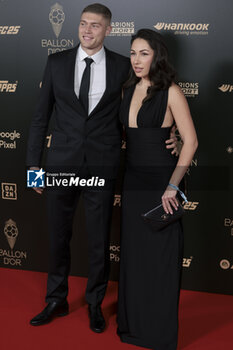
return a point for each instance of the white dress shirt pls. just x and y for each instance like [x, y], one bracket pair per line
[98, 75]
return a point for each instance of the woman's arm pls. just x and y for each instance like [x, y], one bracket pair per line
[181, 114]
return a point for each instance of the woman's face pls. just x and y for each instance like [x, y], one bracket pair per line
[141, 56]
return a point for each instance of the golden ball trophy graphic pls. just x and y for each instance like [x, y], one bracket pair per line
[57, 18]
[11, 232]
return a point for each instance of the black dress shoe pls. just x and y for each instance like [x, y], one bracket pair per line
[97, 322]
[52, 310]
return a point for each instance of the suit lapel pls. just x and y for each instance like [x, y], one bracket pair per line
[71, 74]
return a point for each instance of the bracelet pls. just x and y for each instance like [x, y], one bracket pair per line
[180, 192]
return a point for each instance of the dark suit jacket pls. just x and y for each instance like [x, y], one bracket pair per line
[76, 136]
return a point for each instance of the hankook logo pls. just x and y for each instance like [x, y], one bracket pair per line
[226, 88]
[184, 28]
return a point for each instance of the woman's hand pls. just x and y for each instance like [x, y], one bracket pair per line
[169, 200]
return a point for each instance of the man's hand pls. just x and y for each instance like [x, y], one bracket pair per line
[38, 190]
[173, 142]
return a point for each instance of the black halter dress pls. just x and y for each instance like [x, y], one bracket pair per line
[150, 265]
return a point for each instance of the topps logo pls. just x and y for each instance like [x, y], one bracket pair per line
[9, 29]
[5, 86]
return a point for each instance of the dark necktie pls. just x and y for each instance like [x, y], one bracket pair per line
[85, 84]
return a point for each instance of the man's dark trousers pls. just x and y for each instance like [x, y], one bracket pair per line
[61, 205]
[92, 141]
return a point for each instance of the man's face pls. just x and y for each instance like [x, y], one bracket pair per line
[92, 30]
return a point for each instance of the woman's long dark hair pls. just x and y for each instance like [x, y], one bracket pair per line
[161, 73]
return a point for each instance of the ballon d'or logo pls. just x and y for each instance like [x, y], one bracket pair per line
[57, 18]
[11, 232]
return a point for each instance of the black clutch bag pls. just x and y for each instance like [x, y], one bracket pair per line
[157, 218]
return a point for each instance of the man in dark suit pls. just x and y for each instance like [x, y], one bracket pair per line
[82, 89]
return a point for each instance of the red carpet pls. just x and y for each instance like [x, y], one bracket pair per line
[206, 320]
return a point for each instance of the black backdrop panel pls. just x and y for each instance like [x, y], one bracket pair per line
[199, 37]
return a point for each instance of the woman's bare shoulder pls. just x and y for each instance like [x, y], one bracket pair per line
[175, 94]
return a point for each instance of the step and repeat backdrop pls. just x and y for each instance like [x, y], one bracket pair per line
[199, 37]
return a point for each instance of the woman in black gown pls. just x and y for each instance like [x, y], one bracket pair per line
[151, 261]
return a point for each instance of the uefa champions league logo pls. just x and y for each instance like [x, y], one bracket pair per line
[57, 18]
